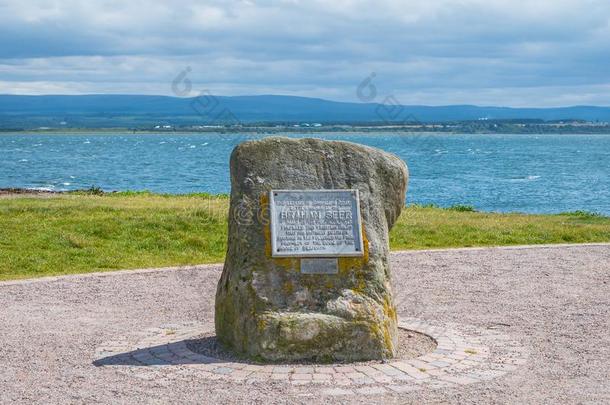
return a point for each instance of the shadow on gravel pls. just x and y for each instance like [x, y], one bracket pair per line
[206, 349]
[167, 354]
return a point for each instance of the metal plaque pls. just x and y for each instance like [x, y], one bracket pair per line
[315, 223]
[326, 265]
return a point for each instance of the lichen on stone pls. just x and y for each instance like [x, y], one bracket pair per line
[265, 307]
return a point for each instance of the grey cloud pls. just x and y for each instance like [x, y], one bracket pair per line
[469, 51]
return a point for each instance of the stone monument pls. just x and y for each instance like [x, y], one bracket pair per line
[306, 275]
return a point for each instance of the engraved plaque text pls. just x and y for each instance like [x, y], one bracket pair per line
[315, 223]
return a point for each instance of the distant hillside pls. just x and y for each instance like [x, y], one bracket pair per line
[137, 110]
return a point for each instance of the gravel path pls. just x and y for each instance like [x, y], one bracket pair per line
[553, 300]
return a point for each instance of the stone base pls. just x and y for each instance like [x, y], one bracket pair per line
[319, 337]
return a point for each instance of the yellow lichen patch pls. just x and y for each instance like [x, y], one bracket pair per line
[261, 324]
[388, 309]
[347, 264]
[361, 284]
[389, 323]
[375, 329]
[288, 287]
[288, 263]
[384, 332]
[365, 244]
[387, 338]
[266, 227]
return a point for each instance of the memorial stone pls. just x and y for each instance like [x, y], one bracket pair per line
[307, 275]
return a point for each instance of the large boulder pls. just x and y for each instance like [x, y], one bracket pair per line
[265, 307]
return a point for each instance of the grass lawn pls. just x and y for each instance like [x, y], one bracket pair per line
[78, 233]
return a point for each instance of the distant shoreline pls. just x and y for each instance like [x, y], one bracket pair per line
[106, 131]
[20, 191]
[96, 191]
[300, 131]
[25, 192]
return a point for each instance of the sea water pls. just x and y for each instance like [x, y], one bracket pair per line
[526, 173]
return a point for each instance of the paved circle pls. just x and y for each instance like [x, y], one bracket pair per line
[463, 356]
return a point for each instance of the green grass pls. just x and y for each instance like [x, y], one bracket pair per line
[84, 232]
[423, 227]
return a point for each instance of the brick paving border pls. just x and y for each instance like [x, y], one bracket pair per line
[464, 355]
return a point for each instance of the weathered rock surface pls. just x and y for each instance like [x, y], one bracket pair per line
[267, 309]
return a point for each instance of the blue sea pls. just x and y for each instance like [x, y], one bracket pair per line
[525, 173]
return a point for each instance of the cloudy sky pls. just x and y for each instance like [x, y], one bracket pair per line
[435, 52]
